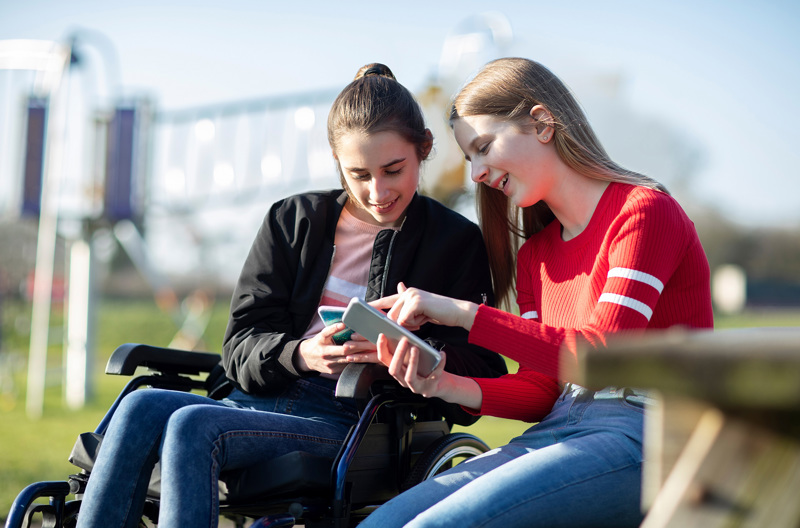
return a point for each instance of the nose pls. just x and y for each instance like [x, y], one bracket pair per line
[478, 172]
[378, 190]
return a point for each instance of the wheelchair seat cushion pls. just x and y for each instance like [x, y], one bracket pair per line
[84, 452]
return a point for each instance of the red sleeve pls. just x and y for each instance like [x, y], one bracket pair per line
[530, 343]
[527, 395]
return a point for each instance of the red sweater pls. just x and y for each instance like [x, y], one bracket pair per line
[638, 265]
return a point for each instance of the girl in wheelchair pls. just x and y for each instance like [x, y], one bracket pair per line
[313, 249]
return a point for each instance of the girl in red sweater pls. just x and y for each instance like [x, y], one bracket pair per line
[605, 251]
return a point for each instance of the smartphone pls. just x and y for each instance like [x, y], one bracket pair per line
[370, 322]
[332, 315]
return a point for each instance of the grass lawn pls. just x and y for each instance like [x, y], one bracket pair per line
[35, 450]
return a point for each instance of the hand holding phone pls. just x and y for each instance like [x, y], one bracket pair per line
[331, 315]
[371, 322]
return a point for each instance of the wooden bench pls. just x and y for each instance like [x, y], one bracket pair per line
[722, 442]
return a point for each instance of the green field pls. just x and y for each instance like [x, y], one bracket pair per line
[34, 450]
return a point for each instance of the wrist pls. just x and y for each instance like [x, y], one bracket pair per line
[467, 312]
[460, 390]
[299, 360]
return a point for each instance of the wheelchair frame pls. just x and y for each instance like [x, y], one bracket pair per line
[387, 451]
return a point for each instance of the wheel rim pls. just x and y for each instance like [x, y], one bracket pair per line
[463, 451]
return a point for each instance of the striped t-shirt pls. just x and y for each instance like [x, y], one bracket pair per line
[353, 242]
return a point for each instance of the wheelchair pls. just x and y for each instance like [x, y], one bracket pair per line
[398, 441]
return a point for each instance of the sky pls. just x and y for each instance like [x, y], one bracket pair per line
[722, 76]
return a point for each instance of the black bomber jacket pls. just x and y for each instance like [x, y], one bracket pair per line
[283, 277]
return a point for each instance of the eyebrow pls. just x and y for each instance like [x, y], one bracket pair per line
[385, 165]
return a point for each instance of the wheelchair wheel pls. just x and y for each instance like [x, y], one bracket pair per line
[71, 510]
[443, 454]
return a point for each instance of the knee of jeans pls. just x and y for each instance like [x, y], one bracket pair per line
[191, 423]
[137, 402]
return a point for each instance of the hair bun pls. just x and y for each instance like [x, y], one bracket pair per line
[375, 69]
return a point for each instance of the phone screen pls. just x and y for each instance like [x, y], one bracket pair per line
[370, 322]
[332, 315]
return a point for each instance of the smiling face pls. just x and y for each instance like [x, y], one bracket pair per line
[381, 171]
[504, 157]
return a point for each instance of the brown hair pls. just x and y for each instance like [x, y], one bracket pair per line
[375, 102]
[508, 89]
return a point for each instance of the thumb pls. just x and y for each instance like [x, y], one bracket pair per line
[384, 355]
[401, 287]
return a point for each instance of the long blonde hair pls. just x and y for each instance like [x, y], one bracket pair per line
[508, 89]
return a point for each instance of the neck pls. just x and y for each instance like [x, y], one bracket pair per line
[574, 203]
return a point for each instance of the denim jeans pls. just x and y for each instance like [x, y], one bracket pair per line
[580, 466]
[195, 438]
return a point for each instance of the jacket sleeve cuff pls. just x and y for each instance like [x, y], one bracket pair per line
[286, 361]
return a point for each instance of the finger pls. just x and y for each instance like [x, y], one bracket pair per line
[401, 356]
[397, 365]
[413, 363]
[396, 307]
[401, 287]
[368, 357]
[440, 367]
[357, 338]
[354, 347]
[406, 315]
[332, 352]
[384, 354]
[330, 330]
[385, 302]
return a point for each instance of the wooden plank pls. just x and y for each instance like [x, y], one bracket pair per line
[722, 445]
[744, 369]
[731, 474]
[668, 425]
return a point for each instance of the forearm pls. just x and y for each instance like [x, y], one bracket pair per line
[527, 395]
[459, 390]
[543, 347]
[259, 363]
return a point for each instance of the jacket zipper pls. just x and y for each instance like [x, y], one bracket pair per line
[388, 263]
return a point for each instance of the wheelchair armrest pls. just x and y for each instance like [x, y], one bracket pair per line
[356, 380]
[127, 357]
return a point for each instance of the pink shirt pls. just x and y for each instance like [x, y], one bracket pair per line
[349, 273]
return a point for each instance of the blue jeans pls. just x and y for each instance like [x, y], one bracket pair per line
[580, 466]
[195, 438]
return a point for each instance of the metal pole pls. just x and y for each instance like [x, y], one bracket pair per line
[79, 325]
[45, 248]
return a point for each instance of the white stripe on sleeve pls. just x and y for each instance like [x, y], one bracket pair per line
[621, 300]
[533, 314]
[626, 273]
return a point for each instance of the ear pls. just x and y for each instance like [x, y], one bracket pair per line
[428, 144]
[543, 120]
[334, 155]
